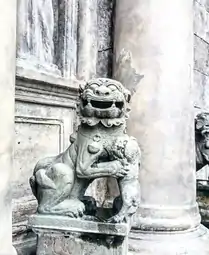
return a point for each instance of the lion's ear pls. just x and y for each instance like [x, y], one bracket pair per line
[198, 124]
[127, 95]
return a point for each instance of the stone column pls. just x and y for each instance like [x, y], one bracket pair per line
[154, 59]
[87, 39]
[7, 99]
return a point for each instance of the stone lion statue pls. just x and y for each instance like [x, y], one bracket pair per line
[99, 148]
[202, 140]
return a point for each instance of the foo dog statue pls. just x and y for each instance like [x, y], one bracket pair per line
[99, 148]
[202, 140]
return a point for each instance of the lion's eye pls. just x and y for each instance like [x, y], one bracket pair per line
[112, 87]
[94, 86]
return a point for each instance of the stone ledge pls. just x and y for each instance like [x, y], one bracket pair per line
[47, 223]
[37, 76]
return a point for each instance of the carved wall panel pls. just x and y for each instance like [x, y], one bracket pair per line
[34, 137]
[47, 36]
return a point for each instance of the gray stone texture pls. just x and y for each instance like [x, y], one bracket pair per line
[58, 235]
[47, 36]
[201, 57]
[87, 39]
[105, 37]
[57, 244]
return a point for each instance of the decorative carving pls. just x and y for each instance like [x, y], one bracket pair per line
[202, 140]
[35, 32]
[99, 148]
[47, 37]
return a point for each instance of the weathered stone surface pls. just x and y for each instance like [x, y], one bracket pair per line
[201, 90]
[25, 243]
[33, 138]
[201, 55]
[47, 37]
[201, 21]
[105, 26]
[184, 243]
[63, 235]
[56, 244]
[87, 39]
[204, 3]
[201, 48]
[105, 37]
[66, 224]
[104, 63]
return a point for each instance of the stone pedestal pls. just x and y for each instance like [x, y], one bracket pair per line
[59, 235]
[7, 100]
[154, 59]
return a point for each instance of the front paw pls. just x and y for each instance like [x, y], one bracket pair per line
[122, 171]
[117, 219]
[76, 208]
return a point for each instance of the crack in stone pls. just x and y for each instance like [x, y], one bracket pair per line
[201, 38]
[200, 72]
[103, 50]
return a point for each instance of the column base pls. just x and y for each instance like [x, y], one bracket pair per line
[191, 242]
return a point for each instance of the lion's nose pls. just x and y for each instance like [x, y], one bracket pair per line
[103, 91]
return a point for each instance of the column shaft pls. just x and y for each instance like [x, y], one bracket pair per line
[160, 47]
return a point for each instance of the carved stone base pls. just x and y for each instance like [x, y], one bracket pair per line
[176, 243]
[59, 235]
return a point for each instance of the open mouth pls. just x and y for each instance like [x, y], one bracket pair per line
[103, 104]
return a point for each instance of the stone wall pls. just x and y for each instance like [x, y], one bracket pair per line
[201, 62]
[201, 53]
[105, 47]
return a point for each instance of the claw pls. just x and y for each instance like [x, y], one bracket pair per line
[115, 219]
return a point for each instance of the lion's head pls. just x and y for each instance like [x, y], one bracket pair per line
[202, 139]
[103, 100]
